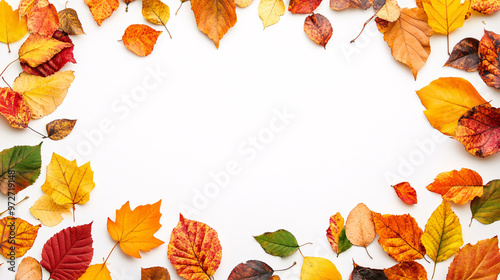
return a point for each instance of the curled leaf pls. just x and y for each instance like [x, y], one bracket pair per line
[465, 55]
[38, 49]
[390, 11]
[366, 273]
[69, 22]
[140, 39]
[486, 7]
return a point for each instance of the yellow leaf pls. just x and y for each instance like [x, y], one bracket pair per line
[96, 272]
[243, 3]
[315, 268]
[43, 94]
[446, 15]
[16, 229]
[270, 11]
[155, 11]
[12, 27]
[446, 100]
[48, 212]
[38, 49]
[443, 234]
[390, 11]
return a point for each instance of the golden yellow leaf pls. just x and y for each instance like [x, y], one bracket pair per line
[102, 9]
[48, 212]
[446, 15]
[96, 272]
[12, 26]
[21, 232]
[315, 268]
[243, 3]
[155, 11]
[29, 269]
[43, 94]
[270, 11]
[38, 49]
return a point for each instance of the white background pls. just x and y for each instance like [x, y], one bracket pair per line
[357, 121]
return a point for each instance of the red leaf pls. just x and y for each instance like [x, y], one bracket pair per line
[57, 62]
[13, 108]
[489, 59]
[303, 6]
[318, 28]
[406, 193]
[68, 253]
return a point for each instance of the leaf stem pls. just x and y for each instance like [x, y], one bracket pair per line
[6, 83]
[179, 8]
[294, 263]
[74, 213]
[471, 219]
[112, 249]
[8, 47]
[448, 43]
[15, 204]
[43, 136]
[366, 249]
[364, 25]
[8, 66]
[308, 243]
[168, 31]
[433, 270]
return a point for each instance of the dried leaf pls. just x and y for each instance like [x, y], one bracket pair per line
[446, 100]
[314, 268]
[359, 226]
[390, 11]
[444, 17]
[318, 28]
[13, 108]
[408, 38]
[406, 270]
[134, 229]
[465, 55]
[251, 270]
[339, 5]
[366, 273]
[102, 9]
[128, 2]
[479, 130]
[194, 250]
[43, 94]
[38, 49]
[19, 167]
[21, 232]
[155, 12]
[43, 20]
[69, 22]
[48, 212]
[214, 17]
[489, 59]
[486, 7]
[12, 26]
[480, 261]
[458, 186]
[382, 25]
[486, 209]
[59, 129]
[140, 39]
[270, 11]
[303, 6]
[96, 272]
[26, 6]
[336, 234]
[67, 254]
[155, 273]
[244, 3]
[280, 243]
[29, 269]
[406, 193]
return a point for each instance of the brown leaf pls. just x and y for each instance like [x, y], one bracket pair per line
[486, 7]
[140, 39]
[359, 226]
[318, 28]
[69, 22]
[406, 270]
[214, 17]
[155, 273]
[59, 129]
[251, 269]
[339, 5]
[366, 273]
[303, 6]
[29, 269]
[43, 20]
[465, 55]
[489, 61]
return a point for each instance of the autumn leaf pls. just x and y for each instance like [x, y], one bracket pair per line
[336, 234]
[12, 26]
[194, 250]
[443, 234]
[38, 49]
[479, 130]
[134, 229]
[29, 269]
[67, 254]
[489, 59]
[318, 28]
[270, 11]
[406, 193]
[26, 7]
[339, 5]
[155, 273]
[140, 39]
[13, 108]
[409, 38]
[279, 243]
[359, 226]
[480, 261]
[69, 22]
[214, 17]
[19, 167]
[446, 100]
[128, 2]
[23, 233]
[156, 12]
[48, 212]
[96, 272]
[366, 273]
[486, 7]
[486, 209]
[465, 55]
[458, 186]
[406, 270]
[43, 20]
[390, 11]
[315, 268]
[303, 6]
[251, 270]
[102, 9]
[242, 3]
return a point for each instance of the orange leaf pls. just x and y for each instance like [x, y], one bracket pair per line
[13, 108]
[102, 9]
[406, 270]
[303, 6]
[23, 233]
[194, 250]
[489, 59]
[399, 236]
[43, 20]
[38, 49]
[214, 17]
[458, 186]
[155, 273]
[26, 6]
[318, 28]
[140, 39]
[339, 5]
[486, 7]
[406, 193]
[134, 229]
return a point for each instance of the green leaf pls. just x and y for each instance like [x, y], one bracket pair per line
[344, 243]
[19, 167]
[280, 243]
[486, 208]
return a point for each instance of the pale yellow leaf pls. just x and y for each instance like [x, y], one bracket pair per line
[270, 11]
[48, 212]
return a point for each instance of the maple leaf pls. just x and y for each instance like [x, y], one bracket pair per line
[155, 273]
[486, 7]
[19, 167]
[102, 9]
[279, 243]
[43, 20]
[399, 236]
[486, 209]
[96, 272]
[69, 22]
[406, 193]
[359, 226]
[318, 28]
[60, 128]
[38, 49]
[446, 100]
[140, 39]
[29, 269]
[479, 130]
[409, 38]
[443, 234]
[303, 6]
[48, 212]
[366, 273]
[67, 254]
[406, 270]
[336, 234]
[458, 186]
[194, 250]
[134, 229]
[465, 55]
[13, 108]
[315, 268]
[339, 5]
[156, 12]
[22, 232]
[214, 17]
[12, 26]
[270, 11]
[251, 270]
[480, 261]
[489, 59]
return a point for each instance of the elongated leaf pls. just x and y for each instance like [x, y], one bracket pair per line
[318, 28]
[38, 49]
[489, 59]
[314, 268]
[458, 186]
[303, 6]
[155, 12]
[359, 226]
[19, 167]
[13, 108]
[280, 243]
[70, 22]
[486, 208]
[59, 129]
[23, 233]
[336, 234]
[251, 270]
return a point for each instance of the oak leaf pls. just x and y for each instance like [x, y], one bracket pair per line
[23, 233]
[60, 128]
[486, 209]
[336, 234]
[318, 28]
[458, 186]
[156, 12]
[366, 273]
[43, 94]
[303, 6]
[38, 49]
[251, 270]
[409, 38]
[480, 261]
[446, 16]
[406, 193]
[140, 39]
[315, 268]
[406, 270]
[13, 108]
[29, 269]
[67, 254]
[96, 272]
[214, 17]
[446, 100]
[155, 273]
[270, 11]
[279, 243]
[12, 26]
[465, 55]
[194, 250]
[359, 226]
[69, 22]
[19, 167]
[489, 59]
[339, 5]
[48, 212]
[102, 9]
[43, 20]
[479, 130]
[486, 7]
